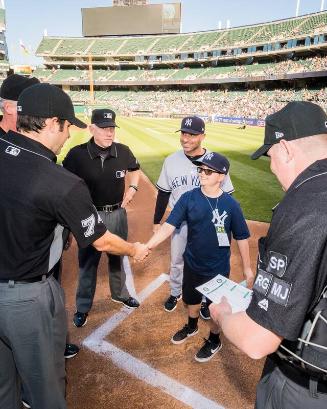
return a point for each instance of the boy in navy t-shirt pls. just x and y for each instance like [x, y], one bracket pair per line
[212, 217]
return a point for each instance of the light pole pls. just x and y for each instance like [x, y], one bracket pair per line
[297, 8]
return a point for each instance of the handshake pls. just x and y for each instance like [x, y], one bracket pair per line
[141, 251]
[161, 233]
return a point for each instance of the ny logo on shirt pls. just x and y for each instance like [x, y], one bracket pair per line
[219, 220]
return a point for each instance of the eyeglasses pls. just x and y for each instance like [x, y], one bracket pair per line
[207, 172]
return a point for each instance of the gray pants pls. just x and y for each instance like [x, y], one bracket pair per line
[89, 258]
[178, 244]
[276, 391]
[32, 344]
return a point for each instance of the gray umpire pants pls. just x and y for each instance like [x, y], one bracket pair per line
[89, 258]
[276, 391]
[178, 244]
[33, 328]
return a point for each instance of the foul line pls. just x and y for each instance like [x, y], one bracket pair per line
[96, 343]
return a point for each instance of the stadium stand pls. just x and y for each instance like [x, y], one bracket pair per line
[278, 69]
[282, 30]
[243, 104]
[4, 63]
[243, 71]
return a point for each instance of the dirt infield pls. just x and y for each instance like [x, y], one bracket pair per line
[136, 366]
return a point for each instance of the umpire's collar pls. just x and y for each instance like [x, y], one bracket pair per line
[316, 169]
[95, 151]
[24, 142]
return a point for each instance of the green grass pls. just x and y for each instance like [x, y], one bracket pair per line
[151, 140]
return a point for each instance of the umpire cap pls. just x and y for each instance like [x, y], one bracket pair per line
[296, 120]
[104, 118]
[14, 85]
[47, 101]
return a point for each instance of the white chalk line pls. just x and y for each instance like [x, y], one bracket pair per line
[96, 343]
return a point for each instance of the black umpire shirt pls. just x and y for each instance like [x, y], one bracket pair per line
[103, 170]
[292, 267]
[37, 197]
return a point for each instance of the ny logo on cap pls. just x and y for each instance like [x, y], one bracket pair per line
[208, 156]
[107, 115]
[188, 122]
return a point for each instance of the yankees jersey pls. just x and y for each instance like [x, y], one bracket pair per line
[179, 175]
[207, 218]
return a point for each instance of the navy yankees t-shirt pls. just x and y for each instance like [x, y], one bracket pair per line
[211, 224]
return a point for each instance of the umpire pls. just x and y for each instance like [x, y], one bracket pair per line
[286, 319]
[10, 90]
[103, 164]
[38, 199]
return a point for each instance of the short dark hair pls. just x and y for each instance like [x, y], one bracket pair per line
[29, 123]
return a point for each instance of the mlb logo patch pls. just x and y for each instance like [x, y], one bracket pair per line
[120, 174]
[12, 150]
[107, 115]
[19, 108]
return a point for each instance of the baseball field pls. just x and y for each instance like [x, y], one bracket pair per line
[126, 358]
[153, 139]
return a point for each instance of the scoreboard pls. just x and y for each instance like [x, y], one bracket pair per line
[132, 20]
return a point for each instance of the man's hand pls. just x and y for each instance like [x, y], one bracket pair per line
[128, 196]
[141, 251]
[156, 227]
[218, 311]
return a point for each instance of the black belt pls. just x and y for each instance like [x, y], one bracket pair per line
[109, 208]
[27, 280]
[299, 375]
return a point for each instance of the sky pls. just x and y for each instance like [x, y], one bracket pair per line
[27, 20]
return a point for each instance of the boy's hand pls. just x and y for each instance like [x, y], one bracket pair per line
[249, 277]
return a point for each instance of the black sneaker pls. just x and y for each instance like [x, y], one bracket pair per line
[25, 404]
[183, 334]
[171, 302]
[207, 351]
[80, 319]
[71, 350]
[204, 311]
[129, 302]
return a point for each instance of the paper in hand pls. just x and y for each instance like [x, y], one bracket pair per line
[238, 296]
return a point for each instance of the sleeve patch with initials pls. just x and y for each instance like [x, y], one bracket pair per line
[277, 264]
[280, 291]
[262, 282]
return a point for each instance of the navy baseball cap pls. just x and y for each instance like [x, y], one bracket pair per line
[296, 120]
[104, 118]
[47, 101]
[192, 125]
[14, 85]
[214, 161]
